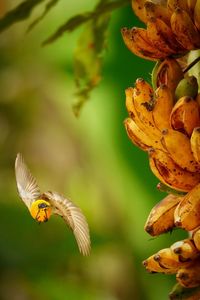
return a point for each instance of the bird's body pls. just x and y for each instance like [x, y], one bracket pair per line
[43, 205]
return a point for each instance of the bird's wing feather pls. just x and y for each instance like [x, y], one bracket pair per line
[26, 183]
[74, 218]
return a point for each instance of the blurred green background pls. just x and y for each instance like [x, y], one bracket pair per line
[89, 159]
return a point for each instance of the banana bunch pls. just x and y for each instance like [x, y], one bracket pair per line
[159, 123]
[173, 28]
[182, 259]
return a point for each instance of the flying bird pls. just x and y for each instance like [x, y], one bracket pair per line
[43, 205]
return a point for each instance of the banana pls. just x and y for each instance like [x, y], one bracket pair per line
[134, 96]
[197, 15]
[191, 5]
[164, 101]
[189, 276]
[187, 213]
[184, 29]
[169, 260]
[185, 250]
[178, 146]
[195, 144]
[139, 10]
[169, 173]
[139, 46]
[166, 189]
[136, 135]
[181, 293]
[188, 86]
[157, 11]
[185, 115]
[161, 217]
[167, 72]
[159, 38]
[196, 238]
[173, 4]
[153, 266]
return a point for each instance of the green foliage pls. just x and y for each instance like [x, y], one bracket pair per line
[47, 8]
[88, 58]
[19, 13]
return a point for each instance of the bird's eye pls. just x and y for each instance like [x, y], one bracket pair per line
[42, 205]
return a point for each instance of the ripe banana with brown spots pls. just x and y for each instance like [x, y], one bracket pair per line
[184, 29]
[161, 217]
[195, 144]
[170, 260]
[157, 11]
[189, 276]
[187, 212]
[186, 249]
[153, 266]
[137, 42]
[185, 115]
[163, 106]
[169, 173]
[178, 146]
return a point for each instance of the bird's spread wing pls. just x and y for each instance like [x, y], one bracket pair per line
[26, 183]
[73, 217]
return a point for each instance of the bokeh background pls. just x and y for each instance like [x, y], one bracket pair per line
[89, 159]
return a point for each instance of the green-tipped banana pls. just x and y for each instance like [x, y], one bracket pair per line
[179, 292]
[187, 87]
[166, 189]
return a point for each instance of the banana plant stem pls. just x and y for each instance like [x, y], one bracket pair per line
[191, 65]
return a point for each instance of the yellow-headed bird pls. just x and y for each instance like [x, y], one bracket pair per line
[42, 206]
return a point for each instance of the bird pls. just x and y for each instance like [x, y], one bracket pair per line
[42, 205]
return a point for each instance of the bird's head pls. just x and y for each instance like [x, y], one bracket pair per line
[40, 210]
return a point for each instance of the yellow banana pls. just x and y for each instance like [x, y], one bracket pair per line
[185, 115]
[189, 276]
[141, 120]
[138, 8]
[195, 144]
[136, 135]
[157, 37]
[197, 14]
[168, 259]
[185, 250]
[187, 213]
[184, 29]
[164, 101]
[196, 238]
[169, 173]
[168, 72]
[161, 217]
[153, 266]
[158, 11]
[139, 46]
[178, 146]
[173, 4]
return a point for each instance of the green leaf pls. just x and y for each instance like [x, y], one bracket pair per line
[180, 293]
[48, 7]
[88, 58]
[103, 7]
[19, 13]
